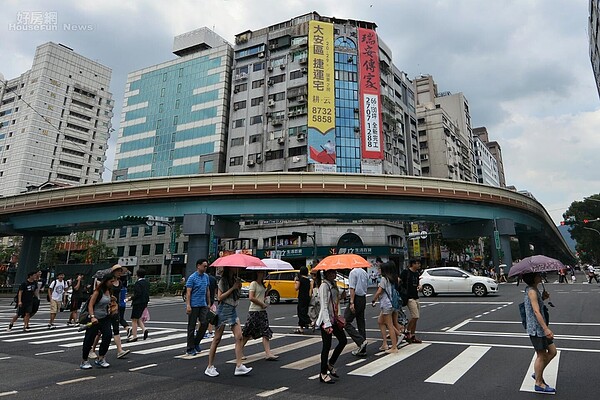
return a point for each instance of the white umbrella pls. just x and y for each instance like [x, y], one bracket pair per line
[273, 264]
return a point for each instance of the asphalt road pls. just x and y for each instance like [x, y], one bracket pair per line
[473, 348]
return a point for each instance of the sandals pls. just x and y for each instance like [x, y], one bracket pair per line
[333, 371]
[298, 331]
[327, 379]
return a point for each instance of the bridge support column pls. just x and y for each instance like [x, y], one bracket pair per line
[29, 257]
[524, 244]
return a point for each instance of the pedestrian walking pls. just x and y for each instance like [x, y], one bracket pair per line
[409, 278]
[257, 323]
[303, 286]
[502, 275]
[197, 301]
[56, 293]
[100, 321]
[539, 333]
[77, 288]
[591, 274]
[26, 295]
[329, 298]
[228, 295]
[139, 301]
[385, 320]
[212, 287]
[358, 281]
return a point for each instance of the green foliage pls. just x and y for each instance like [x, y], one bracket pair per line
[157, 288]
[587, 235]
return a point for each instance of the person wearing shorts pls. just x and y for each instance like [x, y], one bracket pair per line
[409, 278]
[542, 338]
[27, 291]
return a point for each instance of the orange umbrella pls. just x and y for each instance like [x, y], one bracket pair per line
[342, 261]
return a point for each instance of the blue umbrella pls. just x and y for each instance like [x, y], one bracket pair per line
[537, 263]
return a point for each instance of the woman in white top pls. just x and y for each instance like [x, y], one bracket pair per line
[329, 297]
[257, 323]
[387, 313]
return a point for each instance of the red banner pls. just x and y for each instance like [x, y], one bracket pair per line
[370, 116]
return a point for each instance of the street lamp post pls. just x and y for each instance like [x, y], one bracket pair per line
[312, 237]
[591, 229]
[70, 243]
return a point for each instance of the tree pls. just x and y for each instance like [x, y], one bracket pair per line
[587, 235]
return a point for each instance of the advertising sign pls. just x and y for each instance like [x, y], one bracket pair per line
[369, 94]
[321, 94]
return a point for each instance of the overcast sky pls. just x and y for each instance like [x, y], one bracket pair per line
[523, 65]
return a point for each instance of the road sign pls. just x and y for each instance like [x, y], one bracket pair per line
[497, 239]
[424, 234]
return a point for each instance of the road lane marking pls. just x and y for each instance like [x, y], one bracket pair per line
[458, 326]
[373, 368]
[139, 342]
[85, 378]
[4, 358]
[272, 392]
[279, 350]
[278, 318]
[8, 393]
[178, 346]
[60, 338]
[550, 374]
[142, 367]
[311, 361]
[350, 364]
[49, 352]
[459, 366]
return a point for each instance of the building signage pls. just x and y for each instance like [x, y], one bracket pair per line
[369, 93]
[321, 94]
[416, 244]
[322, 251]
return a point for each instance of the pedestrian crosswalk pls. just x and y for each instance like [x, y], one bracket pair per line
[296, 353]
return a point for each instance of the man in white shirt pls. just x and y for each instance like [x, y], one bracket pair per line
[56, 292]
[591, 274]
[358, 282]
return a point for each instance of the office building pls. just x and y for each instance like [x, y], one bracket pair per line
[495, 150]
[593, 31]
[320, 94]
[54, 122]
[175, 114]
[445, 133]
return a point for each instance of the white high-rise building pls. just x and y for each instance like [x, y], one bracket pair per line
[55, 120]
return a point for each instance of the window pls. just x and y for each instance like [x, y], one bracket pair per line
[135, 231]
[237, 141]
[297, 129]
[236, 161]
[180, 72]
[179, 88]
[242, 70]
[258, 66]
[239, 123]
[296, 151]
[147, 231]
[277, 96]
[257, 84]
[278, 78]
[161, 107]
[177, 104]
[159, 249]
[274, 155]
[296, 74]
[239, 105]
[278, 61]
[123, 232]
[175, 119]
[120, 251]
[242, 87]
[257, 119]
[256, 101]
[132, 251]
[162, 92]
[254, 138]
[145, 249]
[160, 230]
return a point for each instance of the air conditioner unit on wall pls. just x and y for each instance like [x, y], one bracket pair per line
[250, 163]
[282, 66]
[270, 69]
[271, 103]
[261, 54]
[301, 136]
[281, 140]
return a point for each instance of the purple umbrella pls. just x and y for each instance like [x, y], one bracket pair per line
[535, 264]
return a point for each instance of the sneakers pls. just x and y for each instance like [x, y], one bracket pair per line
[197, 348]
[361, 350]
[102, 363]
[92, 355]
[242, 370]
[51, 326]
[209, 335]
[123, 353]
[85, 365]
[10, 326]
[26, 329]
[146, 334]
[70, 323]
[191, 353]
[544, 389]
[212, 371]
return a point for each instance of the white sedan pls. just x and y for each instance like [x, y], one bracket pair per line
[455, 280]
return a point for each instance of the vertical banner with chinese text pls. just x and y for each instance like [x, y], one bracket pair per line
[416, 242]
[370, 117]
[321, 94]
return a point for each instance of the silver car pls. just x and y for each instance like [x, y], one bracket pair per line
[455, 280]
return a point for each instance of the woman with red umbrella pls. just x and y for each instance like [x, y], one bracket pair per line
[228, 295]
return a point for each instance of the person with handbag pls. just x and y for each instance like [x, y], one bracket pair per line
[197, 301]
[98, 309]
[387, 313]
[331, 324]
[541, 336]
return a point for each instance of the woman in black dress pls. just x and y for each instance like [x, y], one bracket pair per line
[304, 287]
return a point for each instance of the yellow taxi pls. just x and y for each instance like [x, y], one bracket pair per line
[283, 288]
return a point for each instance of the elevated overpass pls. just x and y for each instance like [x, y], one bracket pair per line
[466, 209]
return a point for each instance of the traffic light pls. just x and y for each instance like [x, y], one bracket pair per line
[133, 218]
[569, 221]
